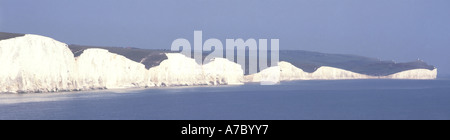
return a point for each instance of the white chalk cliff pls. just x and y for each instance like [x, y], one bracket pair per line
[179, 70]
[423, 74]
[98, 68]
[285, 71]
[221, 71]
[34, 63]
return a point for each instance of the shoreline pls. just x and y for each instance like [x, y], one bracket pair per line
[39, 64]
[127, 89]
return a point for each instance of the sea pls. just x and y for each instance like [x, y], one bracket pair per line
[294, 100]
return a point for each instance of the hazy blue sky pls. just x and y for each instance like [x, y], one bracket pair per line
[401, 30]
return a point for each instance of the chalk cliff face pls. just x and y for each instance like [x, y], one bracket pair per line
[179, 70]
[221, 71]
[311, 61]
[98, 68]
[423, 74]
[33, 63]
[288, 72]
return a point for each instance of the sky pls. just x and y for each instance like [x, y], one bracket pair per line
[400, 30]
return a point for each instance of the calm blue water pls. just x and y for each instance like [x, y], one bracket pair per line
[350, 99]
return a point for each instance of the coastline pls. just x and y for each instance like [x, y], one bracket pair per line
[38, 64]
